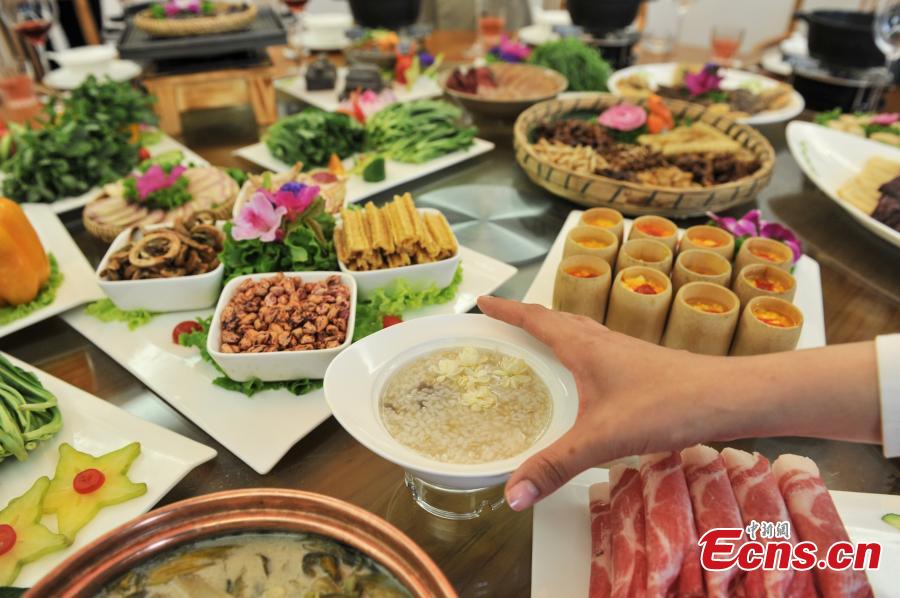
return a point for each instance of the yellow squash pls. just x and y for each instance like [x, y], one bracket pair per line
[24, 267]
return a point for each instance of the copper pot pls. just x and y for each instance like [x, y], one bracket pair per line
[92, 569]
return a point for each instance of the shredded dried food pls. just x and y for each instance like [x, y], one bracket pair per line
[283, 313]
[594, 150]
[190, 247]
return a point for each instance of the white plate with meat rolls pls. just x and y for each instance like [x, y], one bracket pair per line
[698, 488]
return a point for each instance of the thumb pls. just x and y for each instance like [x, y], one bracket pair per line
[545, 472]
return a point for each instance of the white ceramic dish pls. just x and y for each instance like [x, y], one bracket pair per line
[67, 79]
[561, 542]
[97, 427]
[89, 59]
[160, 294]
[806, 271]
[398, 173]
[278, 365]
[78, 285]
[166, 144]
[420, 276]
[830, 158]
[327, 99]
[355, 379]
[663, 73]
[261, 429]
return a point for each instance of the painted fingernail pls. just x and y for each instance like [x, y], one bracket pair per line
[522, 495]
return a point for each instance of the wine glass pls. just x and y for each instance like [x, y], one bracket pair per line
[31, 20]
[296, 28]
[886, 29]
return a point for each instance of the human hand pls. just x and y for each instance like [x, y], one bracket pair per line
[634, 397]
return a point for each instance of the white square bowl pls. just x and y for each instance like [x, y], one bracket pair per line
[277, 365]
[182, 293]
[419, 276]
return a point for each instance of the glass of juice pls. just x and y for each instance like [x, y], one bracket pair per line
[491, 15]
[31, 20]
[726, 41]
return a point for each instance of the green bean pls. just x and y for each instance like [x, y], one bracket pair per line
[29, 413]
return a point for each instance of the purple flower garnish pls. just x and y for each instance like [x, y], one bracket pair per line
[258, 219]
[623, 117]
[509, 51]
[295, 197]
[425, 60]
[752, 225]
[704, 81]
[155, 179]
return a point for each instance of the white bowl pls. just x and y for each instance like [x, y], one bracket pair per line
[183, 293]
[278, 365]
[355, 379]
[419, 276]
[90, 59]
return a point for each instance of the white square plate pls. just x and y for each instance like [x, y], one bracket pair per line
[806, 271]
[262, 428]
[166, 144]
[94, 426]
[561, 541]
[78, 285]
[398, 173]
[327, 99]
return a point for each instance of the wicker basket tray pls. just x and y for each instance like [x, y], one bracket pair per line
[222, 23]
[635, 198]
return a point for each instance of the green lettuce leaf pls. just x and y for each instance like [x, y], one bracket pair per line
[397, 300]
[45, 297]
[197, 339]
[107, 311]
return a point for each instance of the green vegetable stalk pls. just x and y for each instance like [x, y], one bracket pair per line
[312, 136]
[419, 131]
[579, 63]
[29, 414]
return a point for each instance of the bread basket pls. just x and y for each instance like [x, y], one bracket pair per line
[199, 25]
[633, 198]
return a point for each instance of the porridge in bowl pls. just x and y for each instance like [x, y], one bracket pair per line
[466, 405]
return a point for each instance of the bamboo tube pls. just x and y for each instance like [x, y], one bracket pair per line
[754, 279]
[760, 250]
[590, 240]
[645, 252]
[637, 314]
[605, 218]
[708, 238]
[699, 265]
[703, 319]
[585, 294]
[754, 336]
[656, 228]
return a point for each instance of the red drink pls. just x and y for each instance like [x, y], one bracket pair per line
[296, 5]
[490, 29]
[19, 102]
[725, 48]
[34, 30]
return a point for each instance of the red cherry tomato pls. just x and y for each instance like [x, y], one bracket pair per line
[7, 538]
[185, 327]
[390, 321]
[645, 289]
[89, 480]
[143, 154]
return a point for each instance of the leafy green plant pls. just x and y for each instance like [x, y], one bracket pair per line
[107, 311]
[579, 63]
[312, 136]
[418, 131]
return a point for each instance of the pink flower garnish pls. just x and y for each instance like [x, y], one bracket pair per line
[295, 197]
[511, 51]
[704, 81]
[368, 102]
[623, 117]
[171, 9]
[885, 118]
[155, 179]
[752, 225]
[258, 219]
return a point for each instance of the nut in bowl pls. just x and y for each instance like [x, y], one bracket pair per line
[282, 326]
[379, 246]
[484, 397]
[165, 268]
